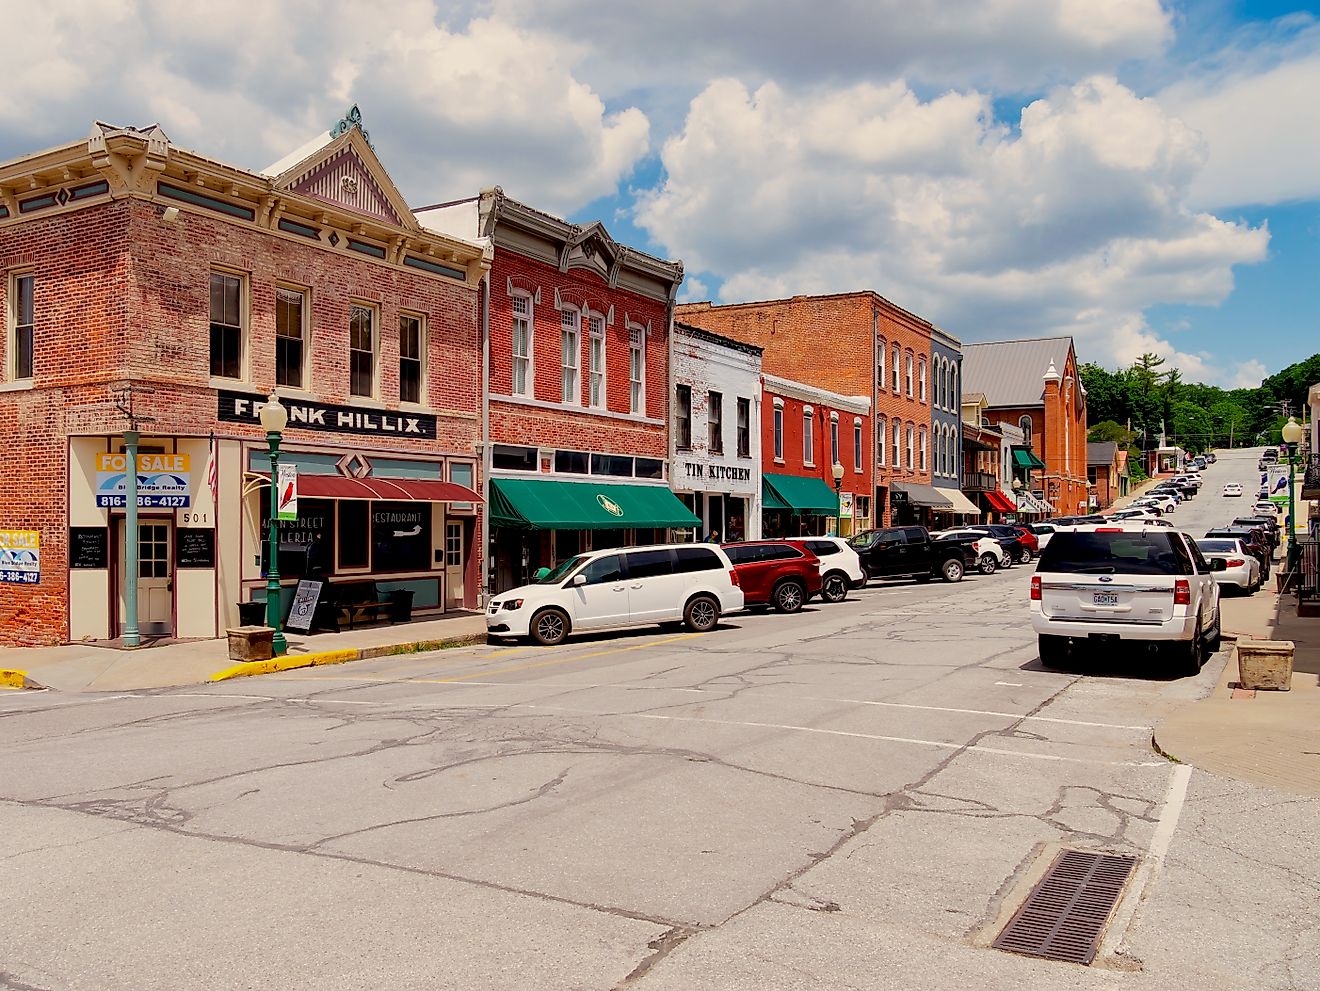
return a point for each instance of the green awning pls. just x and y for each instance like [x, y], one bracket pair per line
[810, 496]
[1024, 458]
[548, 504]
[770, 498]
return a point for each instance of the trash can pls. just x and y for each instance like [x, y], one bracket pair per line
[252, 614]
[401, 600]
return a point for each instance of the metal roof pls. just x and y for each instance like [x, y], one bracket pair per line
[1104, 453]
[1011, 373]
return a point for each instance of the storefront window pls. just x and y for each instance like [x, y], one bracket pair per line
[306, 544]
[508, 458]
[571, 462]
[611, 464]
[650, 468]
[354, 536]
[400, 536]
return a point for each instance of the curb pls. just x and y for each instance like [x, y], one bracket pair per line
[288, 662]
[12, 678]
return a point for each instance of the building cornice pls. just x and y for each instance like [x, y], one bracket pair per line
[811, 394]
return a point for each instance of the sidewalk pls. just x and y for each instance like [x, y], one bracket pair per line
[87, 668]
[1269, 738]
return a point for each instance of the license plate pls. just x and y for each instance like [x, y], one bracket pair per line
[1104, 598]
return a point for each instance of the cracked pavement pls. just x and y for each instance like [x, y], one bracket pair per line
[852, 797]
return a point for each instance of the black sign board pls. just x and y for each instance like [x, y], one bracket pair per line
[196, 548]
[304, 606]
[242, 407]
[89, 547]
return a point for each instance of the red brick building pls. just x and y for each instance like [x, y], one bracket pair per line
[578, 331]
[805, 432]
[852, 344]
[148, 286]
[1033, 384]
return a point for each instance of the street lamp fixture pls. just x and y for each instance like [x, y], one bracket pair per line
[837, 471]
[274, 418]
[1292, 436]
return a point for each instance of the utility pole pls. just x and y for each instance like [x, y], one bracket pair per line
[124, 403]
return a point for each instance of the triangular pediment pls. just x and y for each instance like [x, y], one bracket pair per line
[344, 172]
[591, 248]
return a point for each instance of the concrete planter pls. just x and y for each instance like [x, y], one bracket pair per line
[255, 643]
[1265, 664]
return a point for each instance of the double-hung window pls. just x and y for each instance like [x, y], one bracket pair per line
[361, 350]
[23, 307]
[881, 350]
[596, 361]
[896, 441]
[570, 325]
[880, 442]
[412, 350]
[779, 430]
[522, 346]
[637, 370]
[907, 374]
[226, 326]
[897, 368]
[910, 445]
[925, 442]
[715, 421]
[290, 336]
[921, 377]
[834, 438]
[744, 427]
[683, 417]
[808, 436]
[857, 444]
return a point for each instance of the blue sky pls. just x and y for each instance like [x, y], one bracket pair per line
[1142, 174]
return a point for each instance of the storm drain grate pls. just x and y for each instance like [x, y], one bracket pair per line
[1064, 915]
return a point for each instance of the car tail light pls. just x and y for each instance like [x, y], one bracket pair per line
[1035, 588]
[1236, 562]
[733, 577]
[1182, 592]
[1109, 529]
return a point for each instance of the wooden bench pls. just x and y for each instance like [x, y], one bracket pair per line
[353, 602]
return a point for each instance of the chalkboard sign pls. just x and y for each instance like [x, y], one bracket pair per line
[196, 548]
[304, 606]
[89, 547]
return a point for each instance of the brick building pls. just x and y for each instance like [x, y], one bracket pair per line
[715, 433]
[806, 431]
[853, 344]
[1033, 385]
[577, 358]
[1107, 472]
[148, 286]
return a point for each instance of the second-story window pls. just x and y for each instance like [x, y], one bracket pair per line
[411, 353]
[896, 441]
[857, 444]
[808, 436]
[879, 442]
[925, 443]
[290, 336]
[1025, 423]
[596, 365]
[907, 373]
[683, 417]
[921, 378]
[779, 432]
[881, 350]
[570, 325]
[522, 346]
[896, 366]
[361, 351]
[908, 435]
[226, 326]
[22, 290]
[834, 438]
[744, 427]
[637, 370]
[715, 420]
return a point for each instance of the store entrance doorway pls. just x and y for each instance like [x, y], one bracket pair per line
[155, 577]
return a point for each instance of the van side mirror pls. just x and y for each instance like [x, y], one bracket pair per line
[1218, 564]
[576, 580]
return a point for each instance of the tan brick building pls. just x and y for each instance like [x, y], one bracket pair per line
[140, 278]
[853, 344]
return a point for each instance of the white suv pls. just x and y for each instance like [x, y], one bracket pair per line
[620, 587]
[1126, 583]
[840, 566]
[990, 553]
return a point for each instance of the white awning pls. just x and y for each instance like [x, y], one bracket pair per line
[961, 504]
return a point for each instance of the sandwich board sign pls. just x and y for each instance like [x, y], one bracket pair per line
[303, 609]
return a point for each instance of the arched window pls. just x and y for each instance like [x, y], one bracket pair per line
[955, 401]
[925, 442]
[896, 441]
[910, 439]
[1025, 423]
[941, 451]
[880, 442]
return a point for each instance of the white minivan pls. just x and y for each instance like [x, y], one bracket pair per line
[621, 587]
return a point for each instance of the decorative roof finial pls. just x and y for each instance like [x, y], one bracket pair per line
[1052, 373]
[352, 118]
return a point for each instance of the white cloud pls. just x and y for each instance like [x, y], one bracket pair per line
[1077, 223]
[449, 110]
[1248, 375]
[693, 290]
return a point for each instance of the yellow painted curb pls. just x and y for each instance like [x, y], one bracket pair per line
[13, 678]
[286, 663]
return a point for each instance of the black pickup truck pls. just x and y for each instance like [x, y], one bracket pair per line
[909, 552]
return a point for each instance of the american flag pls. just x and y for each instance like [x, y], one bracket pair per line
[212, 475]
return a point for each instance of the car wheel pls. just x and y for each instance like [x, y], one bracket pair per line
[1053, 651]
[702, 614]
[1026, 555]
[1189, 656]
[834, 588]
[988, 564]
[549, 627]
[789, 596]
[952, 571]
[1215, 643]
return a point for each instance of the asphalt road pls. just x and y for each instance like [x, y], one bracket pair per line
[853, 797]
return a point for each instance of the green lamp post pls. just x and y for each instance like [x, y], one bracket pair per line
[1292, 436]
[274, 417]
[837, 471]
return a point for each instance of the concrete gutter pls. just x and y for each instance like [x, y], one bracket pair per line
[294, 661]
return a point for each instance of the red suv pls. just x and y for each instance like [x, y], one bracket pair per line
[774, 572]
[1029, 540]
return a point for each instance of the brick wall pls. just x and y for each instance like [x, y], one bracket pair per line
[794, 462]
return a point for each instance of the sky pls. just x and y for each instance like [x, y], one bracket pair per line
[1141, 174]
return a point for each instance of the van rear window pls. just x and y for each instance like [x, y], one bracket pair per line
[1090, 553]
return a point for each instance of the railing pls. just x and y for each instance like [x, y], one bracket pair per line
[980, 481]
[1308, 563]
[1310, 479]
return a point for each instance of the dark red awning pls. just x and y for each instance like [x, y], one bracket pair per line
[999, 502]
[389, 489]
